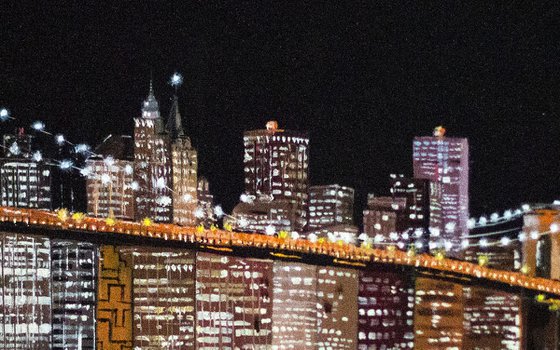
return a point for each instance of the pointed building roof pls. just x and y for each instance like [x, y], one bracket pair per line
[150, 107]
[174, 125]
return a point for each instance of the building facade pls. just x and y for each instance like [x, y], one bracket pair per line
[445, 161]
[25, 182]
[276, 167]
[110, 192]
[330, 205]
[385, 311]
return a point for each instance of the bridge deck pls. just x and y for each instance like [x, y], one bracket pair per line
[273, 247]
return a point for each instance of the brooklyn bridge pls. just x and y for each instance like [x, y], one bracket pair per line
[72, 281]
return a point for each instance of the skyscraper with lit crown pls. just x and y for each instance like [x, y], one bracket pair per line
[152, 164]
[445, 161]
[276, 178]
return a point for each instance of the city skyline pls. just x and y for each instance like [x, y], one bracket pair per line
[362, 85]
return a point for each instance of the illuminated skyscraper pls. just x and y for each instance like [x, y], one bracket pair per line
[163, 294]
[330, 205]
[233, 302]
[152, 164]
[184, 161]
[384, 221]
[74, 277]
[294, 306]
[205, 205]
[25, 181]
[445, 161]
[276, 177]
[337, 315]
[438, 314]
[25, 322]
[109, 183]
[385, 311]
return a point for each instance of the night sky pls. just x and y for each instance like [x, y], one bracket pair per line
[362, 77]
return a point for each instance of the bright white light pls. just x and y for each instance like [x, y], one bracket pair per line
[199, 213]
[187, 197]
[418, 245]
[128, 169]
[86, 171]
[176, 80]
[81, 148]
[14, 149]
[526, 207]
[447, 245]
[37, 156]
[508, 214]
[270, 230]
[522, 236]
[295, 235]
[66, 164]
[434, 231]
[482, 221]
[164, 201]
[218, 211]
[494, 217]
[312, 237]
[419, 232]
[518, 212]
[134, 186]
[105, 179]
[242, 222]
[535, 235]
[432, 245]
[244, 198]
[394, 236]
[554, 228]
[405, 236]
[109, 161]
[160, 183]
[59, 139]
[483, 242]
[504, 241]
[38, 125]
[363, 236]
[400, 245]
[4, 114]
[465, 243]
[471, 223]
[378, 238]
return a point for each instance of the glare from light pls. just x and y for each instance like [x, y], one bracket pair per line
[59, 139]
[218, 211]
[66, 164]
[176, 80]
[4, 114]
[483, 242]
[505, 241]
[270, 230]
[37, 156]
[38, 126]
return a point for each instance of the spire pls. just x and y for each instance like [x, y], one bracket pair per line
[174, 125]
[150, 107]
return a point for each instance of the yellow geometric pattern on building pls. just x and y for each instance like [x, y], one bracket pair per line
[114, 306]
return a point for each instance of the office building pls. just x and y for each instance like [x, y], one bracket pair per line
[330, 205]
[445, 161]
[276, 171]
[110, 192]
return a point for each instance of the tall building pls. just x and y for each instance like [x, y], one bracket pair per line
[184, 160]
[330, 205]
[25, 180]
[337, 314]
[233, 302]
[416, 213]
[205, 206]
[294, 306]
[445, 161]
[438, 314]
[493, 319]
[163, 294]
[385, 218]
[152, 164]
[276, 177]
[26, 306]
[74, 280]
[110, 192]
[385, 311]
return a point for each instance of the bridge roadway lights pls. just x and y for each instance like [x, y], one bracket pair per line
[63, 225]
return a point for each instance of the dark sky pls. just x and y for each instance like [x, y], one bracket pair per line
[362, 77]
